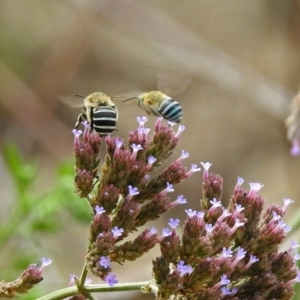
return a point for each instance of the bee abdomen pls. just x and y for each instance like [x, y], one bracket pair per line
[104, 120]
[171, 110]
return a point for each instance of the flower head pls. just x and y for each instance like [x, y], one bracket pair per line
[135, 149]
[166, 232]
[194, 168]
[254, 188]
[239, 183]
[183, 156]
[206, 167]
[117, 231]
[174, 222]
[142, 120]
[180, 130]
[77, 134]
[133, 190]
[110, 279]
[105, 262]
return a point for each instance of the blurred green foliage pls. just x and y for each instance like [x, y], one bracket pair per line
[35, 213]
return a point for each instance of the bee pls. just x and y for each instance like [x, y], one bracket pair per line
[100, 112]
[158, 104]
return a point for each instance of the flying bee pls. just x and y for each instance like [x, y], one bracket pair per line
[158, 104]
[100, 112]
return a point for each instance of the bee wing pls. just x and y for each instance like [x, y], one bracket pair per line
[172, 83]
[72, 101]
[126, 96]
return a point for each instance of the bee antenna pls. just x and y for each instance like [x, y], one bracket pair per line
[130, 99]
[78, 96]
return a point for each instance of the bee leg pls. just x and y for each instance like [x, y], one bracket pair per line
[80, 118]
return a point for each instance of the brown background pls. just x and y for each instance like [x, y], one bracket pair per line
[243, 57]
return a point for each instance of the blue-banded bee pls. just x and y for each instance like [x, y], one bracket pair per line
[159, 104]
[100, 112]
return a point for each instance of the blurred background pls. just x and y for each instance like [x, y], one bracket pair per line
[240, 57]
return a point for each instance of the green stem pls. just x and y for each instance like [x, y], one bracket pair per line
[82, 278]
[95, 288]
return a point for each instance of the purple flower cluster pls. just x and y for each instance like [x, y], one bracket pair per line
[27, 280]
[228, 253]
[222, 253]
[86, 152]
[127, 195]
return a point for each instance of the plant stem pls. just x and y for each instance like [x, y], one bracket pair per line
[71, 291]
[82, 277]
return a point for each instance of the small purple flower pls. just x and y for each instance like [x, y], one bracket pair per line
[119, 144]
[226, 252]
[110, 279]
[174, 222]
[206, 167]
[45, 262]
[286, 202]
[215, 203]
[190, 212]
[194, 168]
[153, 230]
[254, 188]
[99, 210]
[183, 156]
[294, 244]
[179, 131]
[142, 120]
[180, 265]
[225, 290]
[168, 189]
[224, 280]
[143, 130]
[200, 214]
[297, 279]
[77, 134]
[276, 217]
[241, 253]
[135, 149]
[117, 231]
[151, 161]
[253, 259]
[209, 228]
[239, 207]
[133, 190]
[239, 183]
[287, 228]
[225, 214]
[237, 224]
[105, 262]
[297, 256]
[166, 232]
[184, 269]
[180, 199]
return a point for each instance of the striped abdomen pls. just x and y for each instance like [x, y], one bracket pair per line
[104, 119]
[170, 110]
